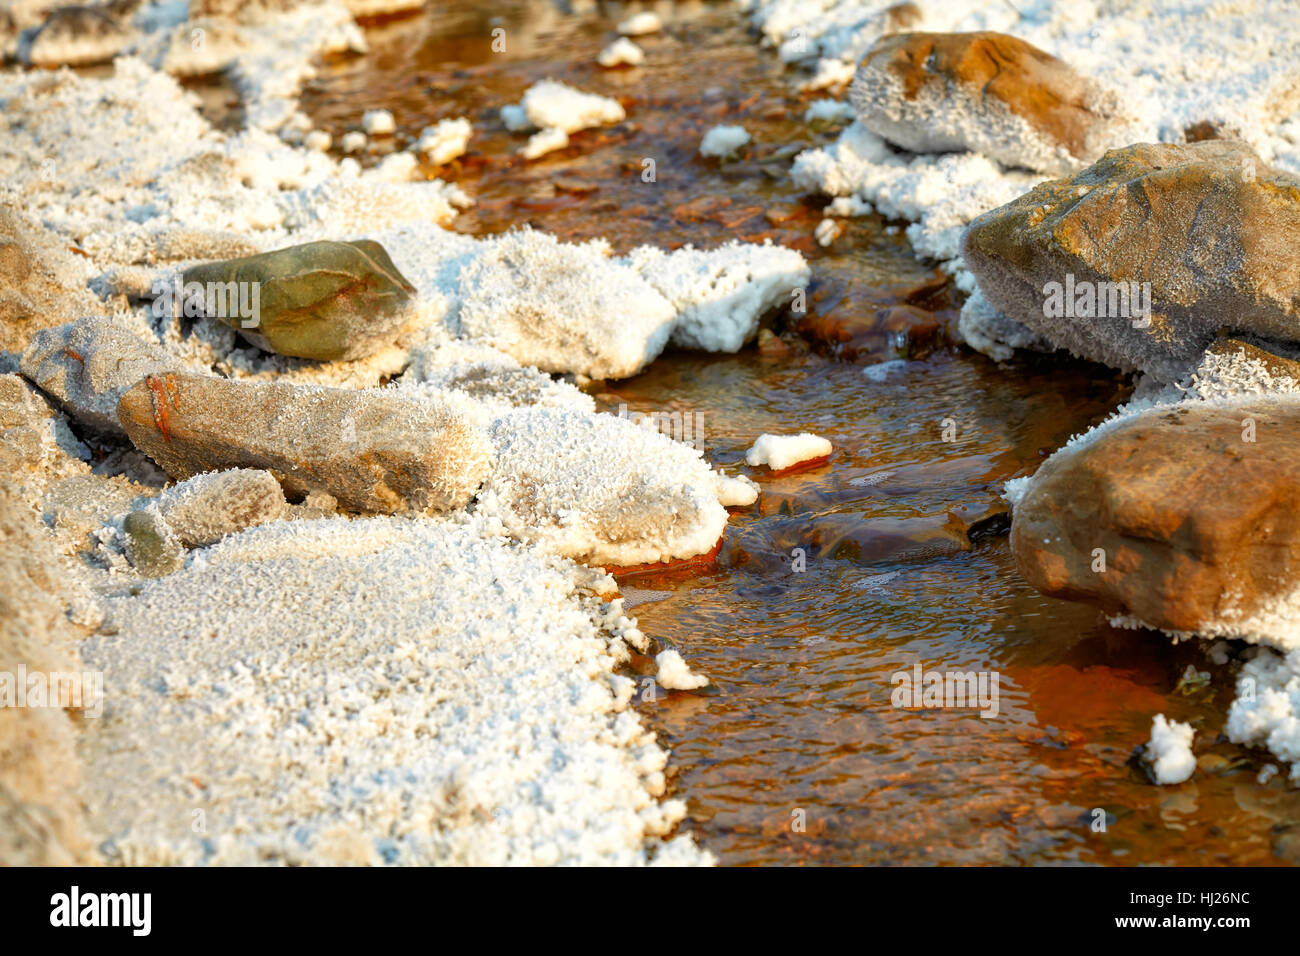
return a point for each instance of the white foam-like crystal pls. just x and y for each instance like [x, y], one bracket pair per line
[779, 452]
[446, 141]
[622, 52]
[723, 142]
[675, 674]
[640, 24]
[1170, 750]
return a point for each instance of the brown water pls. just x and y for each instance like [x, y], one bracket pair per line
[802, 729]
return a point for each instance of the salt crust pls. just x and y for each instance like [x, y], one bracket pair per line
[254, 188]
[723, 142]
[437, 727]
[1170, 750]
[785, 451]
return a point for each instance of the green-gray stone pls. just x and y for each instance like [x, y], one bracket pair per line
[321, 300]
[151, 546]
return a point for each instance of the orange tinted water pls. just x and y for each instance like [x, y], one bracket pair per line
[800, 756]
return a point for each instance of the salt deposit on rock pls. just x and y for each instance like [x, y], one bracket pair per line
[42, 817]
[640, 24]
[720, 294]
[1170, 750]
[435, 728]
[446, 141]
[41, 282]
[828, 111]
[563, 307]
[544, 141]
[779, 452]
[88, 365]
[675, 674]
[550, 104]
[378, 123]
[75, 36]
[1266, 712]
[353, 141]
[600, 489]
[723, 142]
[737, 491]
[204, 509]
[1075, 261]
[373, 450]
[622, 52]
[988, 93]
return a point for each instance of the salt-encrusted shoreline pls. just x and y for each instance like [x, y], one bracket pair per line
[372, 690]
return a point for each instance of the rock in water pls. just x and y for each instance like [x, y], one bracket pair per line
[1203, 236]
[321, 300]
[207, 507]
[373, 450]
[1186, 517]
[88, 365]
[987, 92]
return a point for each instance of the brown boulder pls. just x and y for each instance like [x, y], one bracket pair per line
[987, 92]
[1189, 513]
[1205, 233]
[372, 449]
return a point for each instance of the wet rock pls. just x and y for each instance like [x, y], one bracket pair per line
[1204, 235]
[1184, 517]
[75, 36]
[986, 92]
[204, 509]
[41, 283]
[86, 366]
[374, 450]
[151, 545]
[321, 300]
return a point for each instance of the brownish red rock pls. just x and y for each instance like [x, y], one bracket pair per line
[1195, 509]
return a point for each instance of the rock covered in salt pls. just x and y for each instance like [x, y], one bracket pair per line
[374, 450]
[723, 142]
[1170, 750]
[675, 674]
[779, 452]
[204, 509]
[563, 307]
[622, 52]
[445, 141]
[600, 489]
[378, 123]
[88, 365]
[639, 24]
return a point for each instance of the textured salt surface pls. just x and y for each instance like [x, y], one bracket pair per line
[370, 690]
[435, 727]
[1170, 750]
